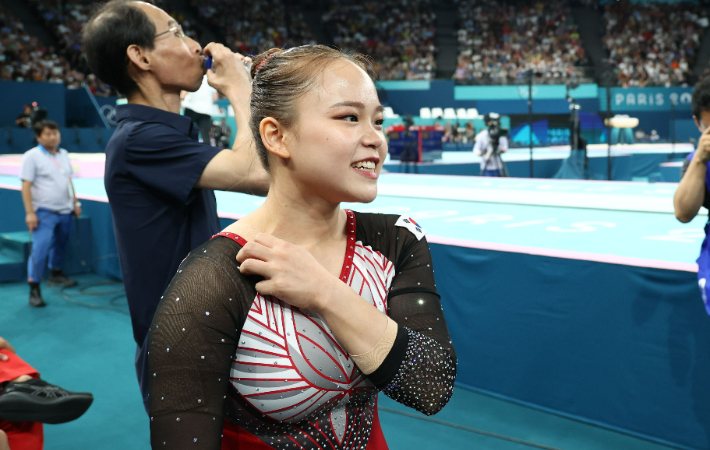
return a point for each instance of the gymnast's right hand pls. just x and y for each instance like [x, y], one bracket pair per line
[228, 73]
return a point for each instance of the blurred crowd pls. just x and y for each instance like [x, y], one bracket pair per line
[649, 44]
[397, 34]
[253, 26]
[25, 58]
[653, 44]
[499, 43]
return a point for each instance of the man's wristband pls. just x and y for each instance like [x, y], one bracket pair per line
[77, 203]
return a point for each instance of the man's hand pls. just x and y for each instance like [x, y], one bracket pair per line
[229, 73]
[4, 345]
[703, 153]
[31, 221]
[77, 210]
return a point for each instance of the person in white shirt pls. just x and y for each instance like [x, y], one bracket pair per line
[492, 164]
[50, 201]
[199, 106]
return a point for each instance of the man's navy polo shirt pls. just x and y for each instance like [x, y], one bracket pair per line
[153, 161]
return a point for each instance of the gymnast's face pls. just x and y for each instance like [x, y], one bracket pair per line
[337, 145]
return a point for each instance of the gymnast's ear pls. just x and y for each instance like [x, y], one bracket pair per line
[274, 136]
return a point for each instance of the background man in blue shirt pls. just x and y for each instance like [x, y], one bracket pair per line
[49, 200]
[159, 178]
[692, 192]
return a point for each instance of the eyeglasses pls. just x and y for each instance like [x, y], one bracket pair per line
[177, 29]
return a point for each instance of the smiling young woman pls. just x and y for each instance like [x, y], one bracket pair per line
[280, 331]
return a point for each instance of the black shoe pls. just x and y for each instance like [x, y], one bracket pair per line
[36, 300]
[58, 278]
[38, 401]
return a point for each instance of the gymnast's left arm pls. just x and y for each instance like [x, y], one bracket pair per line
[420, 369]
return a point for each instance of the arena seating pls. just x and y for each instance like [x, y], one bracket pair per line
[25, 58]
[397, 34]
[499, 42]
[253, 26]
[653, 44]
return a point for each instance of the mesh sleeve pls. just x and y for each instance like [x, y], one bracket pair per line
[423, 353]
[193, 339]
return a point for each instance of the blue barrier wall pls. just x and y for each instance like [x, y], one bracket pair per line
[685, 130]
[652, 106]
[631, 351]
[647, 99]
[67, 107]
[94, 244]
[50, 96]
[74, 140]
[83, 109]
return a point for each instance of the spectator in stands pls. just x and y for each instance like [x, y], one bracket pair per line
[692, 191]
[27, 401]
[50, 200]
[253, 26]
[221, 133]
[159, 178]
[98, 88]
[499, 42]
[469, 133]
[653, 44]
[397, 34]
[654, 137]
[24, 119]
[640, 135]
[21, 53]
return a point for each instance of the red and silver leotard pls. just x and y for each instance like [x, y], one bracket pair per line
[226, 361]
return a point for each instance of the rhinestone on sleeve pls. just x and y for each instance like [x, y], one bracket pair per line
[425, 379]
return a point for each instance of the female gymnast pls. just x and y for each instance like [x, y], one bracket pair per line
[280, 331]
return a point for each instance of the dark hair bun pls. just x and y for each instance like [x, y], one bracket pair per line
[260, 59]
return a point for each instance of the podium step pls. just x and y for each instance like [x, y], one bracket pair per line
[13, 266]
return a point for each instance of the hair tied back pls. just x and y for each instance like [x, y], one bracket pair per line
[264, 60]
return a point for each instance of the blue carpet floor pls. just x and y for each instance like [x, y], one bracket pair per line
[91, 349]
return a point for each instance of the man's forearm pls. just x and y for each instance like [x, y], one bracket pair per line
[238, 169]
[27, 197]
[73, 192]
[690, 194]
[241, 116]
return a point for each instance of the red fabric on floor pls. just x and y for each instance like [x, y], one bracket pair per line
[20, 435]
[15, 367]
[24, 435]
